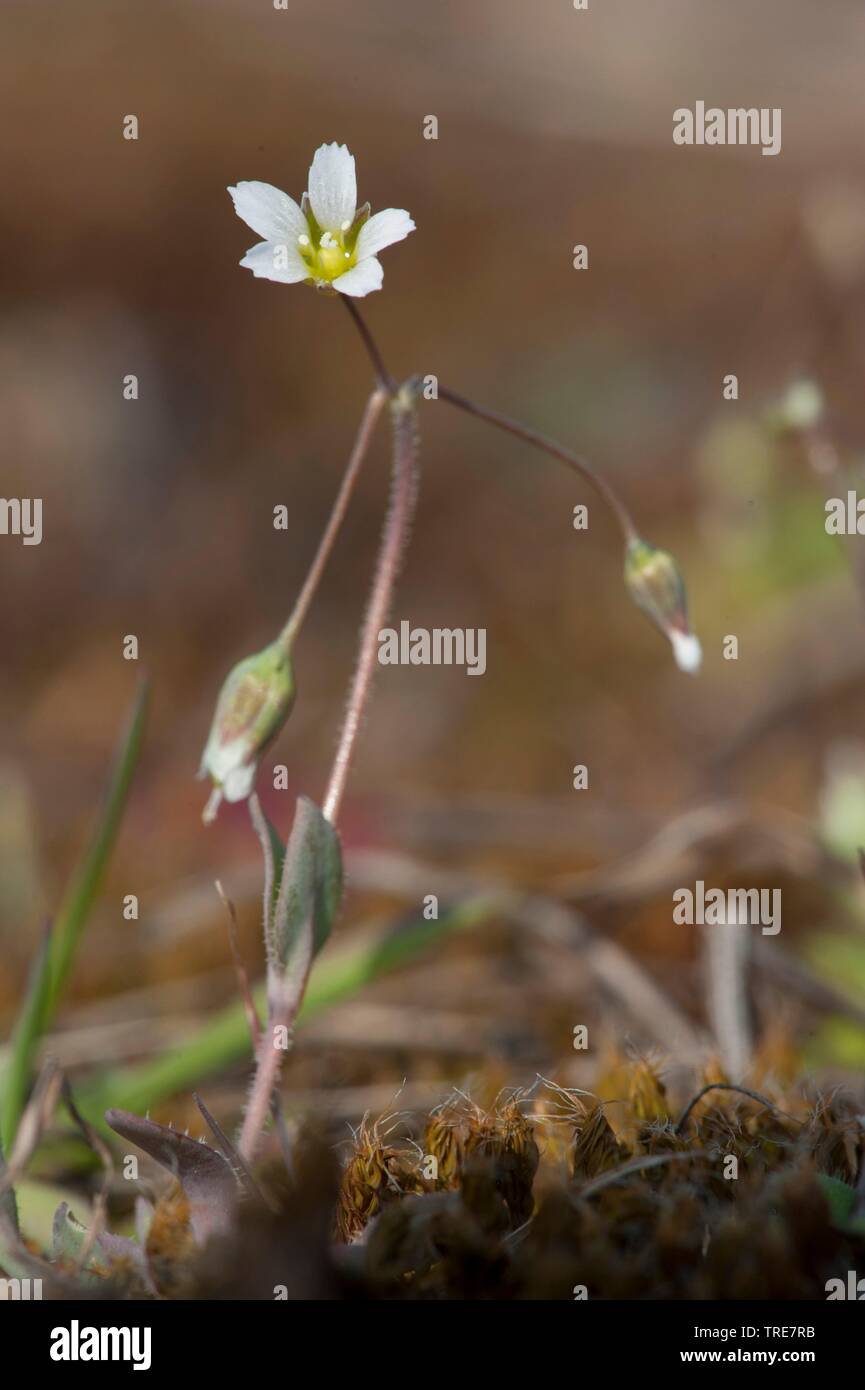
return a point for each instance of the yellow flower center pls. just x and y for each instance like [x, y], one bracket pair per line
[329, 256]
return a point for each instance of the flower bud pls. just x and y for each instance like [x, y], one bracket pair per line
[798, 410]
[253, 705]
[656, 585]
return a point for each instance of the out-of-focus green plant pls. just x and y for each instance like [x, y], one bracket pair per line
[224, 1040]
[54, 962]
[839, 956]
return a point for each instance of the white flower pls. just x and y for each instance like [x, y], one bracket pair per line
[687, 651]
[328, 241]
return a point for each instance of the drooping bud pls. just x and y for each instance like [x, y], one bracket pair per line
[253, 705]
[657, 587]
[798, 410]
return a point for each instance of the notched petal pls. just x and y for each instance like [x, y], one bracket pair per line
[333, 187]
[385, 228]
[268, 211]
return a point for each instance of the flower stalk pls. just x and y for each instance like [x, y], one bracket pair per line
[369, 420]
[330, 243]
[548, 446]
[258, 694]
[394, 537]
[383, 376]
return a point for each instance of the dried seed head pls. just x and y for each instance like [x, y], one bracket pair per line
[836, 1138]
[445, 1139]
[647, 1092]
[375, 1173]
[659, 1137]
[596, 1148]
[520, 1159]
[506, 1140]
[170, 1245]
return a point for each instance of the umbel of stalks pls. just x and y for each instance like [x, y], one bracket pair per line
[656, 586]
[254, 703]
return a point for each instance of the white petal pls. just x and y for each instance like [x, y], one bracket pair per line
[333, 187]
[239, 782]
[221, 758]
[686, 650]
[394, 224]
[362, 279]
[273, 260]
[268, 211]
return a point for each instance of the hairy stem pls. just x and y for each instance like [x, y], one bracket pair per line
[284, 1005]
[549, 446]
[282, 1012]
[268, 1057]
[267, 1068]
[371, 413]
[286, 989]
[396, 528]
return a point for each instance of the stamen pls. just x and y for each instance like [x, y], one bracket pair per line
[303, 239]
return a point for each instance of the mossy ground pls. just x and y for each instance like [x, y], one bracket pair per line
[724, 1193]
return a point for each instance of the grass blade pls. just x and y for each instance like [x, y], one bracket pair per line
[25, 1041]
[55, 960]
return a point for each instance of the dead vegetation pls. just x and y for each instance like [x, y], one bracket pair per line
[550, 1193]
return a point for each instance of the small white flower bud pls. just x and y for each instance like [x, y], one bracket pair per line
[655, 584]
[253, 705]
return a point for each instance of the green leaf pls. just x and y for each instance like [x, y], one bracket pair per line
[68, 1235]
[68, 1240]
[842, 1204]
[278, 851]
[310, 887]
[55, 961]
[81, 894]
[8, 1202]
[25, 1040]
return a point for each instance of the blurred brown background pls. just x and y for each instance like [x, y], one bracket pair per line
[555, 128]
